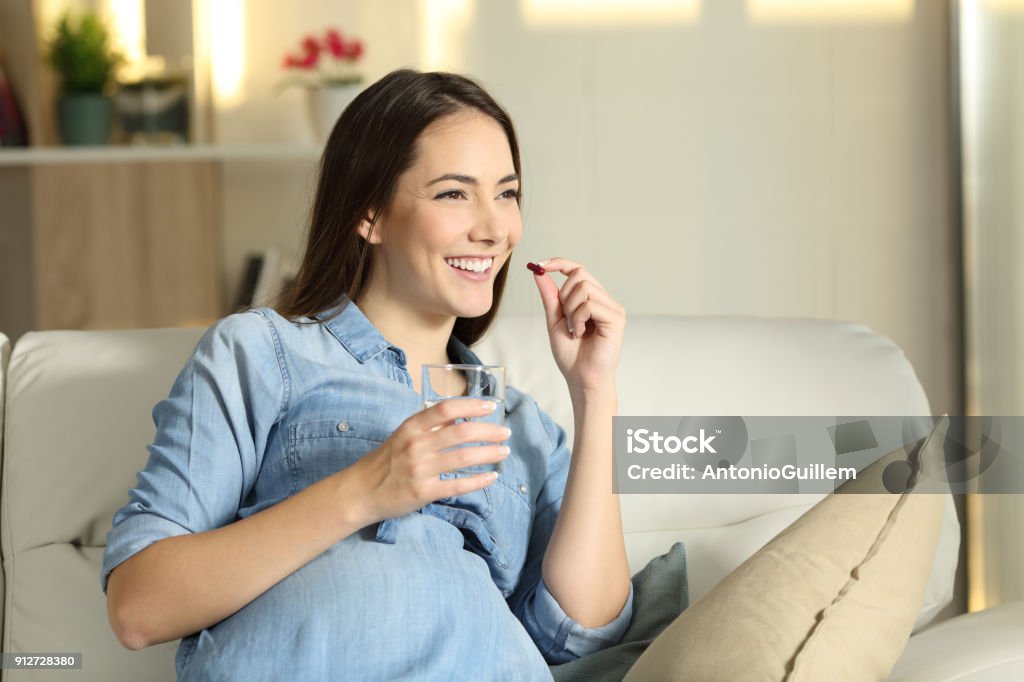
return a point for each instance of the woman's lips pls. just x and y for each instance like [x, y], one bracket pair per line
[472, 276]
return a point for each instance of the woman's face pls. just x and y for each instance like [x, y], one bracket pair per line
[452, 222]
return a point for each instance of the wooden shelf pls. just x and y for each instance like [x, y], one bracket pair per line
[30, 156]
[109, 244]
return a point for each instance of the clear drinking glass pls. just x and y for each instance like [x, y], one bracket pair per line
[464, 382]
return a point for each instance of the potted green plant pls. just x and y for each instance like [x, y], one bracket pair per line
[81, 54]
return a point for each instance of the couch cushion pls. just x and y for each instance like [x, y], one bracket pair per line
[82, 396]
[63, 610]
[833, 596]
[985, 646]
[78, 422]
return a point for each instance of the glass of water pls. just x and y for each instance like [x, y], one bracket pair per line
[467, 382]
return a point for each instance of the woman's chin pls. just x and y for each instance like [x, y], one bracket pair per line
[470, 309]
[476, 313]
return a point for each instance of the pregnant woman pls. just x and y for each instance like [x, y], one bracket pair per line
[296, 518]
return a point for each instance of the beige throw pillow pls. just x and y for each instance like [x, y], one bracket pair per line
[834, 596]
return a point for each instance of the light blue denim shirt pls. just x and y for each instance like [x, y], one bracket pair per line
[265, 407]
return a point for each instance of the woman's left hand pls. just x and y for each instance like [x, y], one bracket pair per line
[588, 358]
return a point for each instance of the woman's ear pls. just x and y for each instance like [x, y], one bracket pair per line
[368, 230]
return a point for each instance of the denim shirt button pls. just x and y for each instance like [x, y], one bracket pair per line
[522, 488]
[343, 426]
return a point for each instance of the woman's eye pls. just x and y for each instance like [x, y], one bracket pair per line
[511, 194]
[451, 194]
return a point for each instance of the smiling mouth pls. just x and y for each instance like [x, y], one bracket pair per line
[472, 266]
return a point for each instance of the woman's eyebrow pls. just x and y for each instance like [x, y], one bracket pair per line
[470, 180]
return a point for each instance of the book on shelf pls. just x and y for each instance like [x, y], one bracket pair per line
[30, 79]
[268, 284]
[12, 124]
[253, 265]
[267, 274]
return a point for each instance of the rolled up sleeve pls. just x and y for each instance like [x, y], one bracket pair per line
[211, 432]
[559, 638]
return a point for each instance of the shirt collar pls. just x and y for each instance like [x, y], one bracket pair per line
[353, 329]
[363, 340]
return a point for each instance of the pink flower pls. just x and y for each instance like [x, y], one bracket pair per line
[335, 43]
[310, 45]
[331, 60]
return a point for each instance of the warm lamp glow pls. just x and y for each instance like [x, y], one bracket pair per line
[227, 49]
[1007, 6]
[829, 10]
[442, 23]
[976, 598]
[617, 12]
[971, 84]
[49, 11]
[127, 22]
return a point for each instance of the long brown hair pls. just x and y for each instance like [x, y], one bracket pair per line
[371, 145]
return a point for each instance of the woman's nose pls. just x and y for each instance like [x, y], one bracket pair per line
[491, 225]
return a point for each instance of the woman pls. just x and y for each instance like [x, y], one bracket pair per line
[296, 518]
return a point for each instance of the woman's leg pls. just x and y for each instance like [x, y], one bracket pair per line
[834, 596]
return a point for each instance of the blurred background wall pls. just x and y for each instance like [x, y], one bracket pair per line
[725, 157]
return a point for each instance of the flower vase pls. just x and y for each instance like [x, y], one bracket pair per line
[325, 106]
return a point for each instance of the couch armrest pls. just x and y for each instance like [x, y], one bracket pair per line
[986, 646]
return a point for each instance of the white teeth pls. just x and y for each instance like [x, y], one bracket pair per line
[471, 264]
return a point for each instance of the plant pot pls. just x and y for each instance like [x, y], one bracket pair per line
[84, 118]
[325, 106]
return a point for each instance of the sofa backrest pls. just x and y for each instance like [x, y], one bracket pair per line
[79, 417]
[78, 421]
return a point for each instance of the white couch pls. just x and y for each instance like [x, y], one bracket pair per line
[77, 419]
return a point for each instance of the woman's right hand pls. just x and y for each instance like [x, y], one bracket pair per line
[403, 474]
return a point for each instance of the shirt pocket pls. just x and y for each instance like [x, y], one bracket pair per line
[318, 449]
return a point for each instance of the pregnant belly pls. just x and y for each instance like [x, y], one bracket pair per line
[422, 608]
